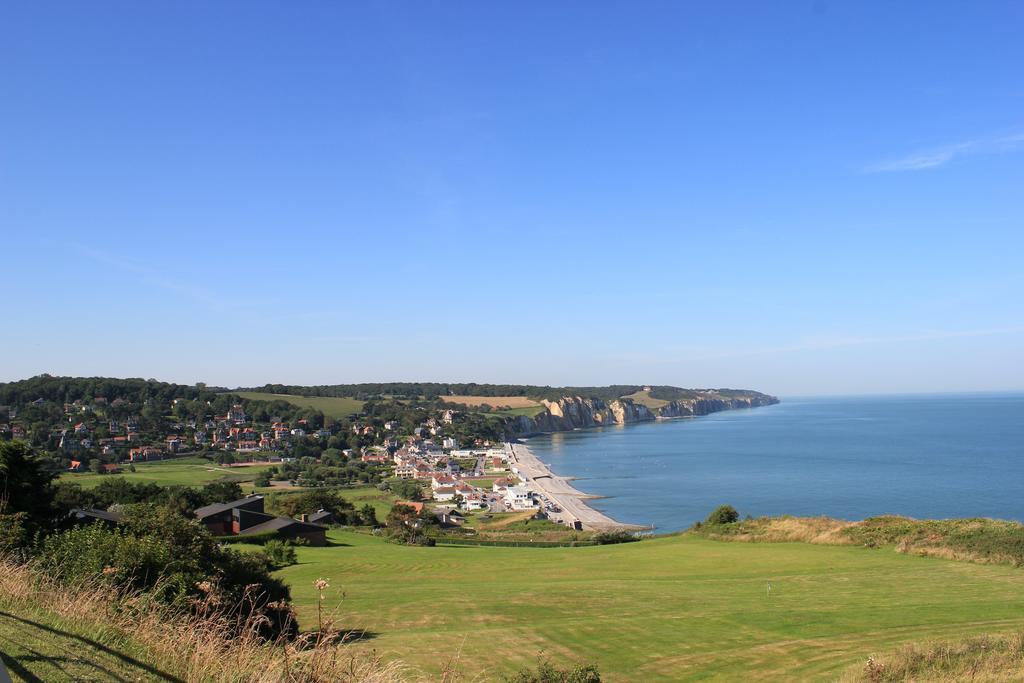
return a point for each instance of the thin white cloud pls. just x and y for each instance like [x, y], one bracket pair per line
[940, 156]
[151, 276]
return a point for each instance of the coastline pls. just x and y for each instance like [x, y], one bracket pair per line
[562, 493]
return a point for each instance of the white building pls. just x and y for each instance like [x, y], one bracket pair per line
[520, 498]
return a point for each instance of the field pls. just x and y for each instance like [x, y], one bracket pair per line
[328, 405]
[671, 608]
[493, 401]
[186, 471]
[644, 398]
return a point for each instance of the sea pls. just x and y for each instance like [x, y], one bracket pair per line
[923, 456]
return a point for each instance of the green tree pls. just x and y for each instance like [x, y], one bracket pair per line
[368, 515]
[26, 490]
[221, 492]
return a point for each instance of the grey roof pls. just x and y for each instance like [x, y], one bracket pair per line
[215, 508]
[279, 523]
[82, 513]
[319, 515]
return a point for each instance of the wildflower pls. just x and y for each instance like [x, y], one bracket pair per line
[321, 584]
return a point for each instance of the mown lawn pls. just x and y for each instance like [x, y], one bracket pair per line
[185, 471]
[336, 407]
[665, 609]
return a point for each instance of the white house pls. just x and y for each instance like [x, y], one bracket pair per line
[444, 493]
[442, 480]
[520, 498]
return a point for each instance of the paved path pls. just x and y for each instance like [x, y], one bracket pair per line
[561, 492]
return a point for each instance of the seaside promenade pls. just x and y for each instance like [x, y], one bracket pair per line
[561, 492]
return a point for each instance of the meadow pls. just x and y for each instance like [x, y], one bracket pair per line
[678, 607]
[336, 407]
[184, 471]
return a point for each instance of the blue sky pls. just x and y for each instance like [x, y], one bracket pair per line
[806, 197]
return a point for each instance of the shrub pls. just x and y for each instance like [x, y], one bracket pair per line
[279, 553]
[546, 672]
[616, 536]
[723, 514]
[172, 558]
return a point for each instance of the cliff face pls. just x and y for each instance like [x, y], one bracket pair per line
[708, 405]
[576, 412]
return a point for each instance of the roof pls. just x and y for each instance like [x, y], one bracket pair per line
[320, 515]
[216, 508]
[89, 513]
[279, 523]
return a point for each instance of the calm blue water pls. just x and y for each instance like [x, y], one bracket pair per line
[922, 456]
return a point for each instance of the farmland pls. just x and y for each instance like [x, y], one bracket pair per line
[668, 608]
[336, 407]
[507, 406]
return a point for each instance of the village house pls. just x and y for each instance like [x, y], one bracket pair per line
[444, 493]
[474, 501]
[442, 480]
[236, 415]
[144, 454]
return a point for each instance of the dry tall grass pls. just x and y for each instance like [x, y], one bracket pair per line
[821, 530]
[982, 659]
[197, 645]
[985, 541]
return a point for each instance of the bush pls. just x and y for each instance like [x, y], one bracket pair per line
[723, 514]
[546, 672]
[279, 553]
[174, 559]
[617, 536]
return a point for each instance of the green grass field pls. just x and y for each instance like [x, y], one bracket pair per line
[328, 405]
[185, 471]
[665, 609]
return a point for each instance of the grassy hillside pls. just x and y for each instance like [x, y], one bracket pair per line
[663, 609]
[185, 471]
[328, 405]
[36, 645]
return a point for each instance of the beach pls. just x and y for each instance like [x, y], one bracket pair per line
[561, 492]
